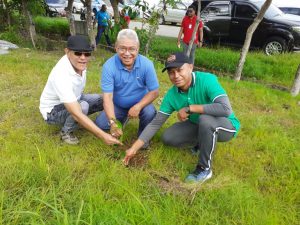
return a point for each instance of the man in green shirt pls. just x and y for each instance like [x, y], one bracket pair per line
[204, 112]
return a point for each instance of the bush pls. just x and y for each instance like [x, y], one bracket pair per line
[11, 35]
[55, 28]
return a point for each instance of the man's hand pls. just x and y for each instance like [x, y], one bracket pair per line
[178, 44]
[110, 140]
[129, 154]
[134, 111]
[182, 115]
[115, 131]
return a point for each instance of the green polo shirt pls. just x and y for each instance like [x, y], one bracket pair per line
[204, 89]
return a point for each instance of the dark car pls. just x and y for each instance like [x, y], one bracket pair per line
[228, 21]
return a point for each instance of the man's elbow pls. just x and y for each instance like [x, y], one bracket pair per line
[155, 93]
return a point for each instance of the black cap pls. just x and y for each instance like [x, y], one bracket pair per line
[176, 60]
[79, 43]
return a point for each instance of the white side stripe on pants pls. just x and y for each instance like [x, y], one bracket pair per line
[214, 142]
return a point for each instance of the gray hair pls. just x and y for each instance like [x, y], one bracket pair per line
[128, 34]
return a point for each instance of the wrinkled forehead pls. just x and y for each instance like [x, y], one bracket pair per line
[127, 42]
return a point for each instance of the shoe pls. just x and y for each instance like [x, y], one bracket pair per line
[199, 175]
[195, 150]
[69, 138]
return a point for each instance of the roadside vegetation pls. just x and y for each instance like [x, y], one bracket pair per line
[256, 175]
[277, 71]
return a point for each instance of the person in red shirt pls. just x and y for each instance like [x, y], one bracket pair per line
[125, 19]
[187, 27]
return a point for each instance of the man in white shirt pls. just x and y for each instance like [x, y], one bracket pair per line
[63, 102]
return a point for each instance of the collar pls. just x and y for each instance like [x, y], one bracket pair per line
[192, 83]
[120, 66]
[192, 18]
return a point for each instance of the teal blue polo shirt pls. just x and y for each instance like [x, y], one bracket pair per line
[205, 88]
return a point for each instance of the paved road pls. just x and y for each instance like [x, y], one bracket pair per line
[163, 30]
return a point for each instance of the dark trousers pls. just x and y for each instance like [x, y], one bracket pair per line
[101, 30]
[205, 134]
[146, 116]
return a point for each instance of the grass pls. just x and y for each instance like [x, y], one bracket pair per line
[42, 181]
[278, 69]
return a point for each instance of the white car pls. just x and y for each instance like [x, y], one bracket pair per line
[288, 6]
[77, 6]
[56, 7]
[174, 14]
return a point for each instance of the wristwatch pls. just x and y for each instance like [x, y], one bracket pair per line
[187, 110]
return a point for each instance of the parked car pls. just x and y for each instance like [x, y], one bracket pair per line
[174, 13]
[288, 6]
[96, 6]
[77, 6]
[228, 21]
[56, 7]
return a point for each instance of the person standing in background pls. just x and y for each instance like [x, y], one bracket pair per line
[103, 19]
[187, 27]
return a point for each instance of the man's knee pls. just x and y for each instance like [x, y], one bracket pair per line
[148, 113]
[84, 107]
[168, 139]
[102, 121]
[206, 123]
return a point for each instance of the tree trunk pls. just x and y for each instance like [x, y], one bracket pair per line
[89, 23]
[114, 4]
[248, 39]
[70, 17]
[296, 86]
[32, 31]
[29, 25]
[7, 12]
[195, 30]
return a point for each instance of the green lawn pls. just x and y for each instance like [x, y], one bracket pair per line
[42, 181]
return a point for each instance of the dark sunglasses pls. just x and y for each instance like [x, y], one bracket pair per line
[86, 54]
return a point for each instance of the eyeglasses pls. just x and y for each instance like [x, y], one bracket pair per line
[131, 50]
[190, 11]
[86, 54]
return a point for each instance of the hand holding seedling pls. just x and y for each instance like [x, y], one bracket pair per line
[116, 129]
[110, 140]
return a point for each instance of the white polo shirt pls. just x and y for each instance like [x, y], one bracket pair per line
[64, 85]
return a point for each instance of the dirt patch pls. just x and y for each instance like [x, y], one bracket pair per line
[140, 160]
[175, 186]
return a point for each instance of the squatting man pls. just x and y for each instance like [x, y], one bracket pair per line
[204, 112]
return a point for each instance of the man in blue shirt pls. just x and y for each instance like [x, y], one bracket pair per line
[103, 19]
[129, 85]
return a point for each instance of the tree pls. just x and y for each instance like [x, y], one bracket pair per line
[114, 4]
[90, 22]
[296, 86]
[248, 39]
[71, 17]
